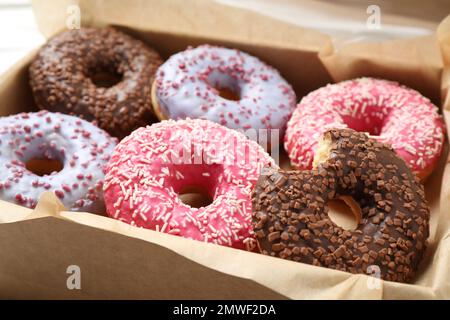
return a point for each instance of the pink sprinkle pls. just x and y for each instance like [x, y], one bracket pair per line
[59, 194]
[79, 203]
[20, 198]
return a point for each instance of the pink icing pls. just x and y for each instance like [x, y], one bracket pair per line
[392, 113]
[149, 169]
[186, 88]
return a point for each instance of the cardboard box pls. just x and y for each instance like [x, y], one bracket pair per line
[41, 248]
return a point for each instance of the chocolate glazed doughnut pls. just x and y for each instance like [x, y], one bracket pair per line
[63, 77]
[290, 210]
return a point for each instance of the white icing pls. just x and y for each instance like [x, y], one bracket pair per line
[185, 89]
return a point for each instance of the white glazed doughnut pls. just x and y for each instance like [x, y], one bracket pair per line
[82, 148]
[187, 86]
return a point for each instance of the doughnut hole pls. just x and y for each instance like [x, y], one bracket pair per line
[228, 94]
[369, 123]
[344, 212]
[43, 158]
[195, 184]
[43, 166]
[226, 86]
[104, 76]
[195, 196]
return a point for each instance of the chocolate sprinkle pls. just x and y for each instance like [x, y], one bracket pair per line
[61, 73]
[395, 217]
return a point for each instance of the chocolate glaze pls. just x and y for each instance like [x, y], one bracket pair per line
[290, 211]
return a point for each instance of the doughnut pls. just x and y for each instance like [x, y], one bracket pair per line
[73, 72]
[389, 112]
[290, 210]
[81, 149]
[226, 86]
[154, 165]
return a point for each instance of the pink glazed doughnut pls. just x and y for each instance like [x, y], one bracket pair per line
[190, 85]
[389, 112]
[154, 165]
